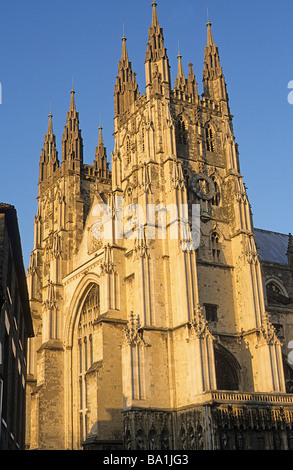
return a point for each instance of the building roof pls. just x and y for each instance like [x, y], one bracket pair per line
[272, 246]
[14, 235]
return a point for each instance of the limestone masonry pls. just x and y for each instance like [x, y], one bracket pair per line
[146, 342]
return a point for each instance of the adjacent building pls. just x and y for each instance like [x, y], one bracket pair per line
[162, 318]
[15, 329]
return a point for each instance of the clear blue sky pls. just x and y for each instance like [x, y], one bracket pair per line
[44, 44]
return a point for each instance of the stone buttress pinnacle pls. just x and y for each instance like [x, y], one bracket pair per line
[72, 143]
[157, 67]
[126, 89]
[49, 157]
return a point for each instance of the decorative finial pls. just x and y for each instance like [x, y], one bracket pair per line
[208, 18]
[179, 55]
[72, 89]
[123, 37]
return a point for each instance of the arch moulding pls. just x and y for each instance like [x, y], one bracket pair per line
[78, 297]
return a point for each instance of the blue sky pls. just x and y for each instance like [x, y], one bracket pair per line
[43, 45]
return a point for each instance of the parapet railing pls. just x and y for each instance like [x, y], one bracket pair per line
[247, 397]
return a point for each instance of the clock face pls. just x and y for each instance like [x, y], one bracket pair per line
[203, 186]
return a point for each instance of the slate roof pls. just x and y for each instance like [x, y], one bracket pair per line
[272, 246]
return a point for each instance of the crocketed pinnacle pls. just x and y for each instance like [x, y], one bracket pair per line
[180, 73]
[157, 67]
[213, 77]
[72, 101]
[124, 53]
[126, 89]
[210, 39]
[72, 143]
[50, 125]
[49, 157]
[155, 19]
[100, 162]
[100, 140]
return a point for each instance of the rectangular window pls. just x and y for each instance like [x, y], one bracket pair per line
[211, 312]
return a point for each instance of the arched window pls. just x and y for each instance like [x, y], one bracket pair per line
[143, 139]
[276, 293]
[128, 150]
[129, 195]
[217, 197]
[226, 371]
[274, 287]
[89, 312]
[209, 134]
[181, 131]
[215, 246]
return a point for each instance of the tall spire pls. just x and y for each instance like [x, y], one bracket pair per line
[72, 101]
[124, 54]
[72, 143]
[49, 157]
[180, 82]
[100, 141]
[100, 163]
[192, 84]
[50, 124]
[156, 60]
[180, 73]
[155, 19]
[210, 39]
[126, 89]
[213, 77]
[185, 89]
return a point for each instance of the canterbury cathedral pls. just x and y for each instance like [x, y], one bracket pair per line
[162, 316]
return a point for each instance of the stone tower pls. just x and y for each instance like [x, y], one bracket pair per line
[145, 283]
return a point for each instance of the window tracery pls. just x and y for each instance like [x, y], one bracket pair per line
[276, 293]
[215, 246]
[181, 131]
[217, 196]
[128, 150]
[209, 135]
[89, 312]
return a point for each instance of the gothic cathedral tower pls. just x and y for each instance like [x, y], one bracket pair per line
[145, 282]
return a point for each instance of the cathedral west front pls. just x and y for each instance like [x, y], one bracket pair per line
[162, 316]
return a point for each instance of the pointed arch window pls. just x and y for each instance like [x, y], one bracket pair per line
[226, 371]
[276, 292]
[215, 246]
[217, 197]
[128, 150]
[274, 287]
[89, 312]
[181, 131]
[210, 141]
[143, 139]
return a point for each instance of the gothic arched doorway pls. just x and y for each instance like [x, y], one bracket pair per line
[226, 370]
